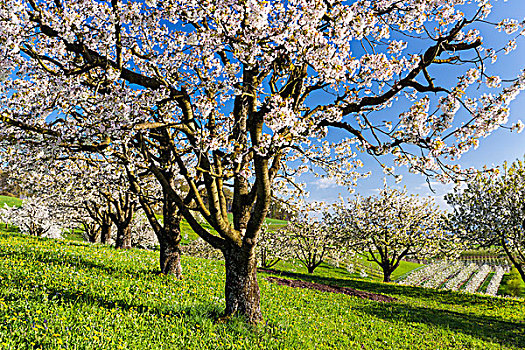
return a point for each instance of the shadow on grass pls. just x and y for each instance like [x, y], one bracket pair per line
[442, 296]
[79, 261]
[482, 327]
[72, 297]
[197, 313]
[488, 328]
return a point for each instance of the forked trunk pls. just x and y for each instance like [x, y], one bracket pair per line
[123, 237]
[170, 256]
[94, 235]
[241, 286]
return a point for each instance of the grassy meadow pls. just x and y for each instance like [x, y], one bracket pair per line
[10, 201]
[72, 295]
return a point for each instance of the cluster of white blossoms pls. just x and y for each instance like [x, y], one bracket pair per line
[35, 217]
[200, 249]
[142, 235]
[300, 46]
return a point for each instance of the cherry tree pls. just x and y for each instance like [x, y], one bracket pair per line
[36, 217]
[392, 226]
[97, 223]
[221, 93]
[490, 212]
[313, 243]
[273, 246]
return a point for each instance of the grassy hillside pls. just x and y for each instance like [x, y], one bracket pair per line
[10, 201]
[63, 294]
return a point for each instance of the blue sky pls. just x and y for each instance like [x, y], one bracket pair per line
[501, 145]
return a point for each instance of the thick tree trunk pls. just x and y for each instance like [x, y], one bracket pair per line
[170, 256]
[123, 237]
[105, 233]
[387, 272]
[386, 277]
[310, 269]
[169, 238]
[241, 286]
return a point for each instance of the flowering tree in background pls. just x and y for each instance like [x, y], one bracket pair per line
[36, 217]
[312, 243]
[272, 247]
[223, 90]
[490, 212]
[392, 226]
[142, 235]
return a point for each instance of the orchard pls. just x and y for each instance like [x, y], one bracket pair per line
[174, 130]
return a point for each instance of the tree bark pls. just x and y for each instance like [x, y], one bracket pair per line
[386, 276]
[241, 286]
[94, 235]
[387, 272]
[170, 256]
[105, 232]
[521, 271]
[310, 269]
[123, 237]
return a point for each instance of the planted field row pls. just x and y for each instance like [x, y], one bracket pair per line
[457, 275]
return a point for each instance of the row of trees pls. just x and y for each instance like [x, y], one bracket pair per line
[383, 229]
[224, 94]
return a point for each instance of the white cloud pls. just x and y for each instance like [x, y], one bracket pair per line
[326, 182]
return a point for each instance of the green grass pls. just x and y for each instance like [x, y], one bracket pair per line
[10, 201]
[503, 288]
[375, 273]
[64, 294]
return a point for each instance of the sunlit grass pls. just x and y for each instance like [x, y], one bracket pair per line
[64, 294]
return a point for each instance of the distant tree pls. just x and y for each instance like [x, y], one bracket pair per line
[38, 217]
[392, 226]
[490, 212]
[273, 247]
[312, 243]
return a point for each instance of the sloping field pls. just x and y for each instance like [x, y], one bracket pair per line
[63, 294]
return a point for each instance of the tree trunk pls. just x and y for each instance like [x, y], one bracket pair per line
[170, 256]
[94, 235]
[521, 270]
[123, 237]
[105, 233]
[310, 269]
[241, 286]
[387, 272]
